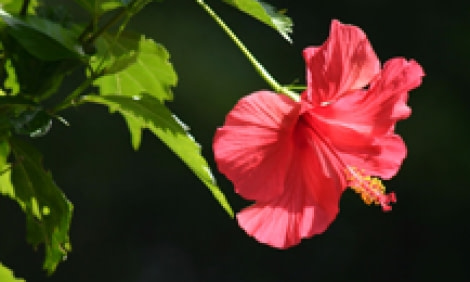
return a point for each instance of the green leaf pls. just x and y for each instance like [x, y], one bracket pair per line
[11, 81]
[11, 107]
[98, 7]
[114, 53]
[6, 275]
[133, 65]
[148, 112]
[14, 6]
[4, 127]
[34, 122]
[6, 188]
[266, 14]
[48, 211]
[24, 72]
[42, 38]
[16, 100]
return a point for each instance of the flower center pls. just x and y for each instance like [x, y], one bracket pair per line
[370, 188]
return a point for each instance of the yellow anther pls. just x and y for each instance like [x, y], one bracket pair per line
[370, 188]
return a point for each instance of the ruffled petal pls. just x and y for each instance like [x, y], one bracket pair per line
[361, 124]
[389, 91]
[254, 147]
[308, 204]
[345, 62]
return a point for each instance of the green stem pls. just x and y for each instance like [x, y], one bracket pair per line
[134, 8]
[88, 29]
[69, 100]
[24, 8]
[258, 67]
[115, 19]
[297, 87]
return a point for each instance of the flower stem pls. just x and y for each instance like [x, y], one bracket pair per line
[258, 67]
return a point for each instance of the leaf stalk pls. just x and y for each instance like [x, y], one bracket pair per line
[255, 63]
[124, 11]
[69, 100]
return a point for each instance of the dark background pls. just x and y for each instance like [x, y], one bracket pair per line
[143, 216]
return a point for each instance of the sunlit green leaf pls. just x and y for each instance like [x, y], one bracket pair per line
[43, 38]
[133, 65]
[6, 275]
[266, 14]
[6, 188]
[135, 129]
[147, 112]
[114, 54]
[48, 212]
[11, 81]
[14, 6]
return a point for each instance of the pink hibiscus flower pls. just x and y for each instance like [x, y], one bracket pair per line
[295, 158]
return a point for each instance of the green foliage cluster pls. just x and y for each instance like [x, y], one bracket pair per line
[126, 72]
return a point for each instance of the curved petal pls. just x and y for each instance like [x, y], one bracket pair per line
[385, 163]
[345, 62]
[360, 125]
[253, 148]
[308, 204]
[391, 87]
[283, 227]
[375, 111]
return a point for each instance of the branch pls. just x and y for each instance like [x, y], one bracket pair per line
[24, 8]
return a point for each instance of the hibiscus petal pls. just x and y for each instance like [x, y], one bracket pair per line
[385, 163]
[253, 148]
[397, 78]
[375, 111]
[335, 125]
[360, 125]
[345, 62]
[283, 223]
[307, 206]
